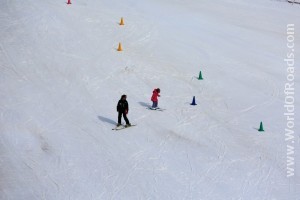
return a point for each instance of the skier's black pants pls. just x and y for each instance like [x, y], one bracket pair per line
[125, 117]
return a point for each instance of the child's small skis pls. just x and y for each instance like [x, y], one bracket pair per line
[157, 109]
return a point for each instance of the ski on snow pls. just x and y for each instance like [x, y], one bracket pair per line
[157, 109]
[117, 128]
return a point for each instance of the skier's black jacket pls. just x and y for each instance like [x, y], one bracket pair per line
[122, 106]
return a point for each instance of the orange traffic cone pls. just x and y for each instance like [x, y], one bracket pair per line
[122, 21]
[120, 47]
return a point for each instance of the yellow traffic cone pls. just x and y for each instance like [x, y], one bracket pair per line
[122, 21]
[120, 47]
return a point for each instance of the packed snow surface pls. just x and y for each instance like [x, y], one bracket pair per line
[61, 77]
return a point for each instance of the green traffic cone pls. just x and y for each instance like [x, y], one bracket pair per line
[200, 76]
[261, 127]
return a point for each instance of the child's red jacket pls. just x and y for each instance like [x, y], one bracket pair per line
[155, 95]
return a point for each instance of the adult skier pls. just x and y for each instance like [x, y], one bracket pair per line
[122, 109]
[154, 98]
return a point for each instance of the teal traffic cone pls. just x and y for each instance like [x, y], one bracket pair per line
[200, 76]
[261, 127]
[194, 101]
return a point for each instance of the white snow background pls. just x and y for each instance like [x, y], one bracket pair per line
[61, 77]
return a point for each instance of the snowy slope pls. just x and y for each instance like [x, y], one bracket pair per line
[61, 78]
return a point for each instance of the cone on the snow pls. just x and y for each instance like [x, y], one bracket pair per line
[200, 76]
[261, 127]
[122, 21]
[120, 47]
[194, 101]
[69, 2]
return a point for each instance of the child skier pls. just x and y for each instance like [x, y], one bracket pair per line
[122, 109]
[154, 98]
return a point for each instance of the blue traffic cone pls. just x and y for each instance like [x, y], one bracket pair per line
[194, 101]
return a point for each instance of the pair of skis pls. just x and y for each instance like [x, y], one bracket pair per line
[157, 109]
[121, 127]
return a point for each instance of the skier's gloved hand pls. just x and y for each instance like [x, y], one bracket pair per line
[126, 112]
